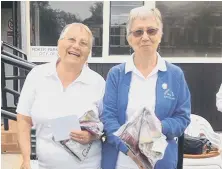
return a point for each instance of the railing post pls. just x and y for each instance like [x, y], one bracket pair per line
[33, 145]
[15, 43]
[4, 98]
[180, 152]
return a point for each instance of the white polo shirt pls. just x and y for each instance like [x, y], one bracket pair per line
[142, 93]
[43, 98]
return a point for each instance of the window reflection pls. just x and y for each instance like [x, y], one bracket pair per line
[191, 29]
[48, 18]
[118, 17]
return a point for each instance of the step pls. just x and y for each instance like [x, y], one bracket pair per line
[9, 143]
[10, 148]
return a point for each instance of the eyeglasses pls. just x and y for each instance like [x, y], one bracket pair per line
[140, 32]
[82, 43]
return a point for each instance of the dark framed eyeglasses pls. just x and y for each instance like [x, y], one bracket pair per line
[140, 32]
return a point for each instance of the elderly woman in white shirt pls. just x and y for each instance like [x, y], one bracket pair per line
[64, 87]
[219, 99]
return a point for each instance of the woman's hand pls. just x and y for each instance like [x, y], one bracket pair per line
[135, 159]
[83, 137]
[25, 165]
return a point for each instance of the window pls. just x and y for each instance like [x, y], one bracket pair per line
[191, 29]
[119, 12]
[48, 18]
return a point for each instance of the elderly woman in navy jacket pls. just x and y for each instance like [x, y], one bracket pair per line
[146, 79]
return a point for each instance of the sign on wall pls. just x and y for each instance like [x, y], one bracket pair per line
[10, 24]
[46, 52]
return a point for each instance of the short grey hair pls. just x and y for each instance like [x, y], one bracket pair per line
[143, 12]
[66, 28]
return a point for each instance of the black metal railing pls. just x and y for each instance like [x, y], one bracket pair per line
[8, 115]
[18, 60]
[17, 50]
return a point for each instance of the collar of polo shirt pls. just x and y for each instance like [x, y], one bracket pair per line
[130, 66]
[84, 77]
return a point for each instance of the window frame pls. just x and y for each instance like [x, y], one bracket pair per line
[106, 58]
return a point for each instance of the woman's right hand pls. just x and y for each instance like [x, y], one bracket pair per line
[135, 159]
[83, 137]
[26, 165]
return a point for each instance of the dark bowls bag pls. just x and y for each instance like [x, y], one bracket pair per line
[196, 145]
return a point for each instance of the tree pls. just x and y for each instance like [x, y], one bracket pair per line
[52, 21]
[97, 14]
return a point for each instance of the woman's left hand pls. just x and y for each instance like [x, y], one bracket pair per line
[83, 137]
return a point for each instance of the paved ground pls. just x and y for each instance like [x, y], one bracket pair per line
[10, 161]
